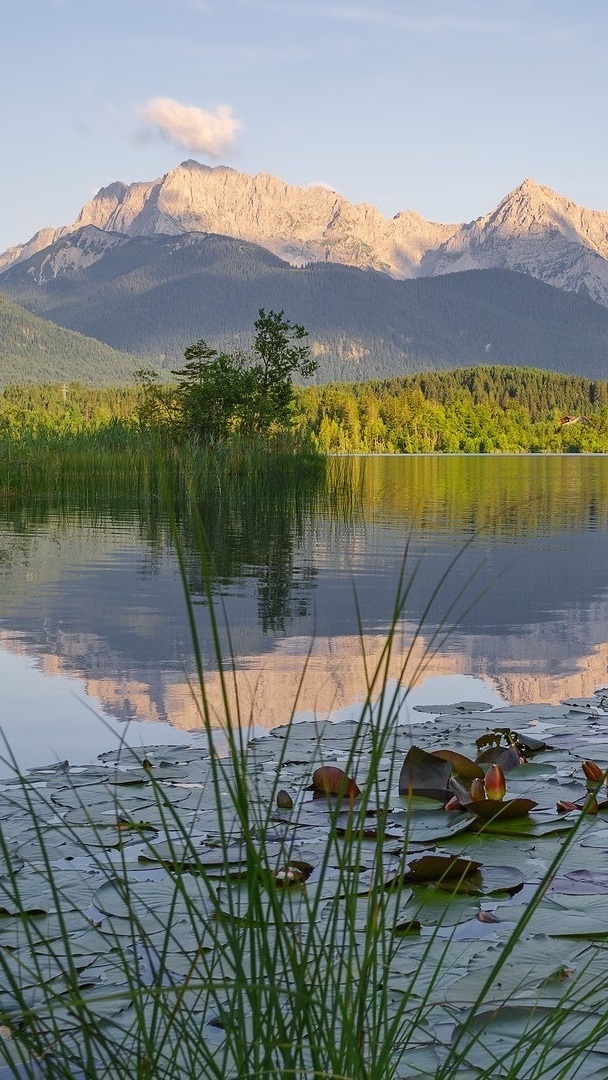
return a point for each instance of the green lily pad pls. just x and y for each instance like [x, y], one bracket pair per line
[423, 828]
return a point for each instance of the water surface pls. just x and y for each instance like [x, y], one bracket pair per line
[506, 599]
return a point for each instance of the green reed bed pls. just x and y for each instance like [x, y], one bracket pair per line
[119, 462]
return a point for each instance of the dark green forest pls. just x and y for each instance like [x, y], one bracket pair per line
[488, 409]
[153, 296]
[34, 350]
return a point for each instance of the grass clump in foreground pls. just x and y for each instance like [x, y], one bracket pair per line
[305, 906]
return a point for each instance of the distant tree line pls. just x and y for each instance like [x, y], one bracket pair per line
[218, 396]
[487, 409]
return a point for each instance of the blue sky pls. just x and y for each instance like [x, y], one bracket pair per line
[438, 106]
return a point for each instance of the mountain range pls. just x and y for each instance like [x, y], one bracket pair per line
[147, 268]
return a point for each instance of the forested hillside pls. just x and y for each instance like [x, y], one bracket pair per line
[476, 410]
[153, 296]
[540, 392]
[33, 350]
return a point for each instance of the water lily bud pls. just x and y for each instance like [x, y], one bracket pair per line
[593, 771]
[487, 917]
[477, 790]
[495, 783]
[284, 800]
[452, 804]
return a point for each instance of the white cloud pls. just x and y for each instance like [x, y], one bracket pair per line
[211, 133]
[323, 184]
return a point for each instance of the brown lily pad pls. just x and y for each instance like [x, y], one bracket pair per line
[425, 774]
[507, 757]
[330, 780]
[490, 809]
[436, 868]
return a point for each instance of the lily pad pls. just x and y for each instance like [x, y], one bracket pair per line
[424, 828]
[424, 774]
[494, 809]
[329, 780]
[506, 757]
[435, 867]
[463, 766]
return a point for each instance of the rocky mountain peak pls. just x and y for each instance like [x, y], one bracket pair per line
[532, 230]
[298, 224]
[535, 231]
[532, 206]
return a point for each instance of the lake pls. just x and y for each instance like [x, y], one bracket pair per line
[505, 599]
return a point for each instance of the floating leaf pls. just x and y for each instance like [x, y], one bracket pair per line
[424, 774]
[329, 780]
[436, 868]
[530, 746]
[463, 707]
[432, 826]
[507, 757]
[177, 855]
[497, 880]
[491, 809]
[579, 883]
[463, 766]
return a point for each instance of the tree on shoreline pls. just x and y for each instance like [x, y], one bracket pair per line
[221, 393]
[209, 392]
[277, 355]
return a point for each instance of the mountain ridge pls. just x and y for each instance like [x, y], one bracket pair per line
[149, 267]
[532, 230]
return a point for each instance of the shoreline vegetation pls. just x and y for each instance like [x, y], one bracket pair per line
[493, 410]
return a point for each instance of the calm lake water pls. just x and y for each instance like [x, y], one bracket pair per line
[505, 561]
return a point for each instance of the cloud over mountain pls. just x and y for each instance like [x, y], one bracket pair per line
[211, 133]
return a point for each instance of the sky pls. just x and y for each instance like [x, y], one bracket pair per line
[437, 106]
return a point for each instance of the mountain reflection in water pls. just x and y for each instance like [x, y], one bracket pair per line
[94, 593]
